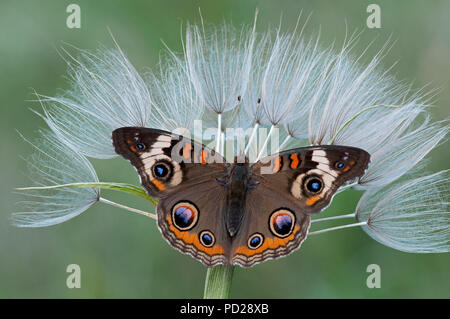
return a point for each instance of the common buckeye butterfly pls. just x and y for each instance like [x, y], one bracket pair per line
[235, 213]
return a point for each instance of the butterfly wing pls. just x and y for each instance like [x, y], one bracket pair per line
[272, 227]
[190, 221]
[310, 176]
[166, 161]
[288, 188]
[182, 174]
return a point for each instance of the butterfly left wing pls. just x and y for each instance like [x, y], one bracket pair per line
[310, 176]
[182, 174]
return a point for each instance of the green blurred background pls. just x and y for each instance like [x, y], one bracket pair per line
[123, 255]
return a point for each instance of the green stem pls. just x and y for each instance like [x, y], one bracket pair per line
[127, 188]
[218, 282]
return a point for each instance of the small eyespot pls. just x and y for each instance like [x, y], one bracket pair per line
[313, 184]
[281, 222]
[140, 146]
[161, 170]
[184, 215]
[206, 238]
[255, 241]
[339, 165]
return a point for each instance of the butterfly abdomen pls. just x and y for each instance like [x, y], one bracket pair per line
[238, 183]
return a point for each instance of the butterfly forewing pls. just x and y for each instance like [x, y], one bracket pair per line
[165, 161]
[310, 176]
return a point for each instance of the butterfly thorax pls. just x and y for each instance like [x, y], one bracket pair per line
[238, 181]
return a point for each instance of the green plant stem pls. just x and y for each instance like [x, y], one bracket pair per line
[218, 282]
[127, 188]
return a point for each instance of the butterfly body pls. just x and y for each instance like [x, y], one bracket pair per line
[239, 179]
[235, 213]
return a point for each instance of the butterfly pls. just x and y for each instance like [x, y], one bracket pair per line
[235, 213]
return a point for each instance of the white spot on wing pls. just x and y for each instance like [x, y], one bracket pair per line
[153, 152]
[160, 145]
[164, 138]
[296, 187]
[327, 169]
[319, 156]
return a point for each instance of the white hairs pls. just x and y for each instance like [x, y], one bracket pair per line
[219, 64]
[54, 163]
[107, 93]
[410, 215]
[176, 103]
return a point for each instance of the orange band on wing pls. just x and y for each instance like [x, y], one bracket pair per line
[277, 165]
[158, 184]
[203, 157]
[347, 168]
[187, 151]
[312, 200]
[295, 161]
[192, 239]
[269, 243]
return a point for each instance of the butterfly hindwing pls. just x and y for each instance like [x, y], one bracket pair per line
[272, 227]
[190, 222]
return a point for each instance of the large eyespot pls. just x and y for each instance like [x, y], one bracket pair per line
[255, 241]
[207, 238]
[161, 170]
[313, 184]
[184, 215]
[281, 222]
[140, 146]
